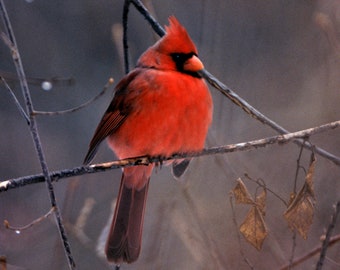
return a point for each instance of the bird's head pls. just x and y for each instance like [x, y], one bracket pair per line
[174, 51]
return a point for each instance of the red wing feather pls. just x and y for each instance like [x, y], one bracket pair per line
[114, 116]
[109, 124]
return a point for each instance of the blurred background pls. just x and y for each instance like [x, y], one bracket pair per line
[280, 56]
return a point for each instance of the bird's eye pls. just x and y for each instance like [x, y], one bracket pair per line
[180, 58]
[176, 56]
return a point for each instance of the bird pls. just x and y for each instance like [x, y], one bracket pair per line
[161, 107]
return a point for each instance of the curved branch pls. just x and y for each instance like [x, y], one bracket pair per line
[108, 84]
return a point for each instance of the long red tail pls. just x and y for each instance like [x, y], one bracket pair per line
[125, 237]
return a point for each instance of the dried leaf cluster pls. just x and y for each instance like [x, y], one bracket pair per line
[253, 227]
[299, 213]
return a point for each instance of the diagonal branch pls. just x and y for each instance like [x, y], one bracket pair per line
[261, 117]
[327, 241]
[333, 240]
[232, 95]
[16, 101]
[34, 130]
[146, 160]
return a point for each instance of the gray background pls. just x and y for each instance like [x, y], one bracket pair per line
[272, 53]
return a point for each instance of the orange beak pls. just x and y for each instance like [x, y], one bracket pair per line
[193, 64]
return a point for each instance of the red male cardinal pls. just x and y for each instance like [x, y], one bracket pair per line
[160, 108]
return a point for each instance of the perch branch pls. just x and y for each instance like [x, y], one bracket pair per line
[145, 160]
[226, 91]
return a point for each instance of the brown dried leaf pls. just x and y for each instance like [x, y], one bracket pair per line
[254, 228]
[241, 193]
[300, 214]
[300, 211]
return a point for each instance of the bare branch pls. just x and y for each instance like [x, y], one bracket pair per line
[242, 253]
[34, 130]
[327, 240]
[146, 160]
[261, 117]
[16, 101]
[261, 183]
[152, 21]
[310, 254]
[125, 42]
[108, 84]
[298, 167]
[226, 91]
[34, 222]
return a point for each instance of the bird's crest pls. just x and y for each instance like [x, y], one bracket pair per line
[176, 38]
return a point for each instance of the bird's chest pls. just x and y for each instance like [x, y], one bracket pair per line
[173, 99]
[168, 116]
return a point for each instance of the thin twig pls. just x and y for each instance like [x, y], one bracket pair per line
[298, 167]
[243, 255]
[152, 21]
[292, 254]
[31, 224]
[292, 196]
[16, 101]
[326, 241]
[34, 131]
[108, 84]
[146, 160]
[125, 38]
[333, 240]
[262, 185]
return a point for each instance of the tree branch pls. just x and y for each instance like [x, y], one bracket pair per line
[16, 101]
[226, 91]
[146, 160]
[313, 252]
[108, 84]
[327, 241]
[34, 130]
[261, 117]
